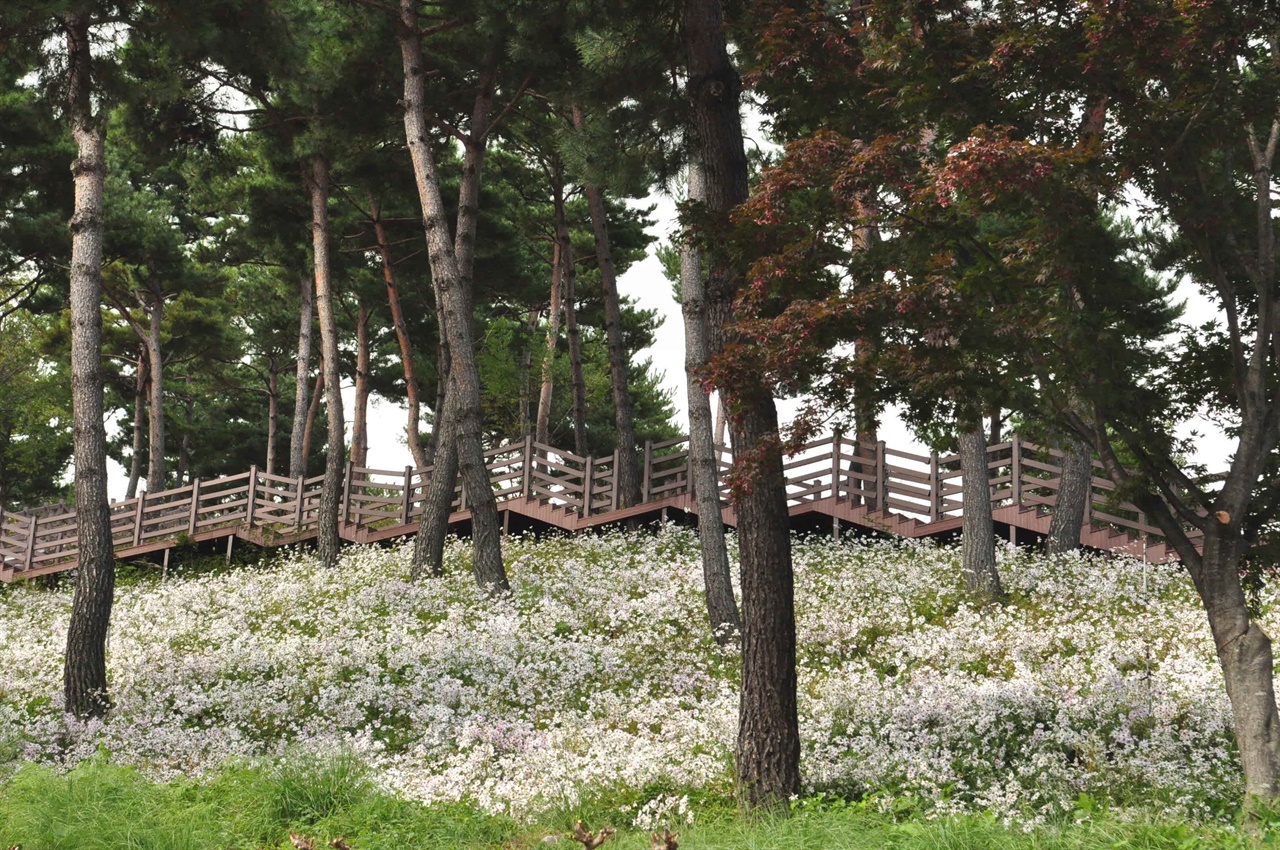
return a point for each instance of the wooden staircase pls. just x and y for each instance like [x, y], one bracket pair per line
[833, 483]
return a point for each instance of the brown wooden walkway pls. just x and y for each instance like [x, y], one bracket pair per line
[833, 484]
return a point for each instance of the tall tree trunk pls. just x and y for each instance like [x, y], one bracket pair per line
[85, 669]
[526, 370]
[299, 443]
[570, 277]
[413, 393]
[768, 751]
[184, 447]
[328, 543]
[313, 410]
[542, 431]
[451, 269]
[428, 548]
[627, 475]
[444, 363]
[273, 414]
[155, 464]
[139, 417]
[1075, 489]
[978, 537]
[722, 608]
[360, 420]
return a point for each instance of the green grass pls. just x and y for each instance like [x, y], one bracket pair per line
[100, 806]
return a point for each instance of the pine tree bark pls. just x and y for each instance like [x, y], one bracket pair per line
[428, 548]
[451, 269]
[978, 537]
[542, 430]
[301, 402]
[85, 670]
[413, 393]
[722, 608]
[570, 277]
[155, 464]
[444, 363]
[313, 410]
[1074, 492]
[273, 414]
[139, 428]
[526, 370]
[627, 475]
[768, 750]
[360, 420]
[328, 543]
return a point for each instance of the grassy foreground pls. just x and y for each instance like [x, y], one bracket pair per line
[100, 806]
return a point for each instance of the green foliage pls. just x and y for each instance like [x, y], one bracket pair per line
[100, 806]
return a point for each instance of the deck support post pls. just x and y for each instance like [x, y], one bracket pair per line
[882, 479]
[139, 509]
[835, 528]
[648, 471]
[31, 542]
[251, 494]
[935, 489]
[406, 497]
[349, 474]
[297, 518]
[231, 542]
[1015, 470]
[164, 565]
[836, 440]
[193, 516]
[613, 489]
[526, 479]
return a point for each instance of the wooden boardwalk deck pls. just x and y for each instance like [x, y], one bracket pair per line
[833, 484]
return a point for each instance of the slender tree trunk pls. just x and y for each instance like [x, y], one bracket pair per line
[328, 542]
[273, 414]
[768, 751]
[866, 421]
[413, 393]
[722, 421]
[155, 465]
[184, 446]
[570, 276]
[313, 411]
[451, 269]
[526, 369]
[85, 670]
[139, 415]
[978, 537]
[542, 431]
[1075, 489]
[627, 476]
[722, 608]
[360, 420]
[299, 444]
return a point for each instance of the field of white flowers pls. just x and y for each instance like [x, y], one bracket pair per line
[1097, 681]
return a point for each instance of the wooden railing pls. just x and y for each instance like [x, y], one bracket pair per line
[832, 471]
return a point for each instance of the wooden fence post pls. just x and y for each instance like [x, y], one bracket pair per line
[835, 468]
[194, 515]
[613, 493]
[346, 491]
[935, 488]
[406, 498]
[1015, 469]
[252, 495]
[648, 471]
[882, 479]
[526, 480]
[31, 542]
[139, 509]
[297, 519]
[588, 484]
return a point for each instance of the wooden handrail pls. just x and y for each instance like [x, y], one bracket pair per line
[872, 475]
